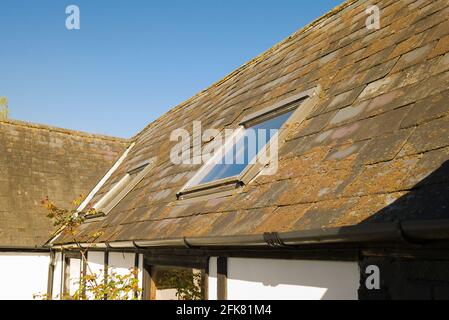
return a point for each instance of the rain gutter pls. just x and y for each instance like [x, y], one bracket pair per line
[404, 232]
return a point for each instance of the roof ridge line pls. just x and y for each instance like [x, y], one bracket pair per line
[254, 60]
[63, 130]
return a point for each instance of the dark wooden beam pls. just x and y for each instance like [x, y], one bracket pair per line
[206, 274]
[106, 270]
[136, 268]
[222, 278]
[146, 282]
[51, 274]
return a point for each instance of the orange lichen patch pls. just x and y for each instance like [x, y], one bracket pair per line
[168, 228]
[328, 165]
[198, 226]
[431, 169]
[382, 177]
[283, 219]
[249, 198]
[240, 222]
[400, 25]
[296, 167]
[324, 213]
[312, 188]
[366, 208]
[441, 48]
[429, 136]
[407, 45]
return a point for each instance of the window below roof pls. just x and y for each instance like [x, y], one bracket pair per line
[175, 283]
[172, 277]
[252, 147]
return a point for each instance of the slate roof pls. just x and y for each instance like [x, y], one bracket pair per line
[375, 149]
[38, 161]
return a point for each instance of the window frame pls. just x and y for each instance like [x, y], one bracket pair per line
[302, 104]
[66, 274]
[152, 262]
[112, 198]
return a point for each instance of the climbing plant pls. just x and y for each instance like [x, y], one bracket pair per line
[91, 286]
[105, 285]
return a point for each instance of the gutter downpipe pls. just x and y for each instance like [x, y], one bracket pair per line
[411, 232]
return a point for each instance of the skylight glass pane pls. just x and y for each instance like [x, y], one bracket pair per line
[249, 145]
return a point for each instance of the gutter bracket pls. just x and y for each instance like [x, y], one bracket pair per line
[138, 249]
[274, 241]
[186, 243]
[406, 239]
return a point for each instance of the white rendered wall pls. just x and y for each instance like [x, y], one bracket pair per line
[265, 279]
[212, 290]
[75, 273]
[141, 271]
[22, 275]
[95, 266]
[121, 263]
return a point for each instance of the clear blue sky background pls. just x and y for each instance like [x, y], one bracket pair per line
[132, 60]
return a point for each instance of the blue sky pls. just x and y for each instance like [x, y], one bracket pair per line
[133, 60]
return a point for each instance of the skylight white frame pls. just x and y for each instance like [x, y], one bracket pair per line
[106, 177]
[115, 190]
[307, 102]
[111, 199]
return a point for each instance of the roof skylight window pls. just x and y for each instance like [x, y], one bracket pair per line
[250, 149]
[246, 148]
[122, 188]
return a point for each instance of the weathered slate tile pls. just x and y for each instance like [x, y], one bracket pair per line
[282, 219]
[325, 214]
[383, 177]
[344, 99]
[441, 48]
[311, 126]
[413, 57]
[384, 148]
[431, 169]
[429, 136]
[350, 113]
[381, 124]
[427, 109]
